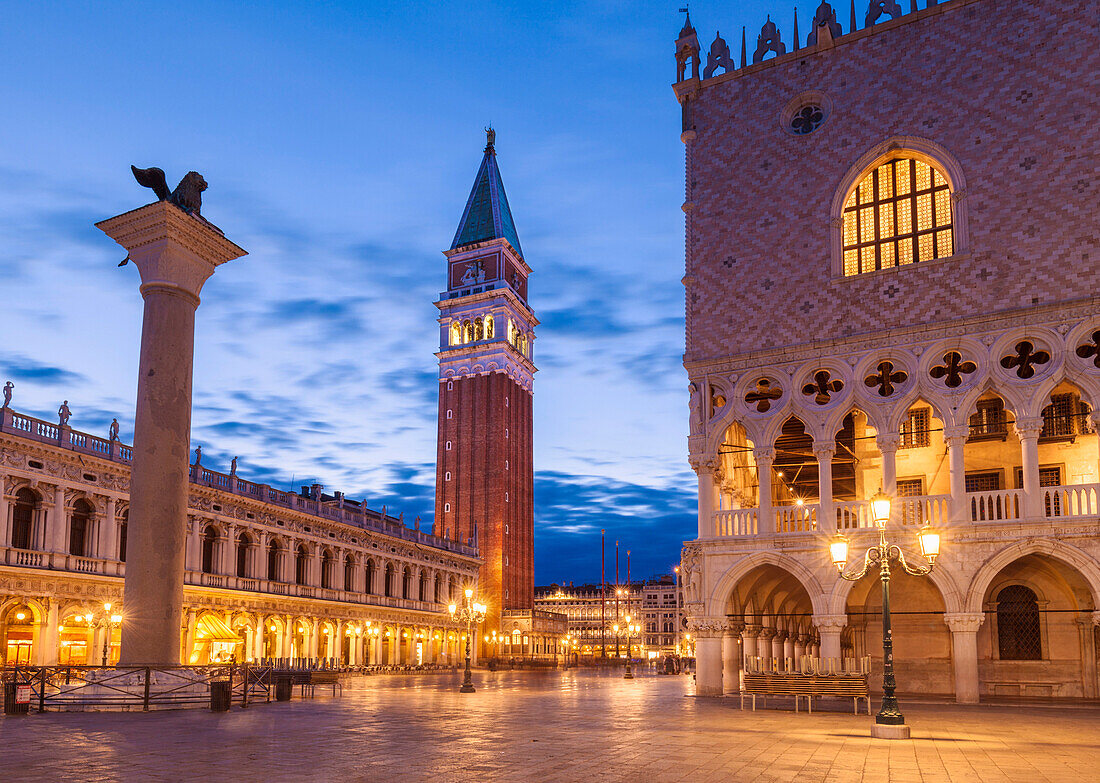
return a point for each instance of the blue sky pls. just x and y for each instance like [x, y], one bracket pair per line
[340, 141]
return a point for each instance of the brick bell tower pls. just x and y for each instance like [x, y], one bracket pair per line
[484, 472]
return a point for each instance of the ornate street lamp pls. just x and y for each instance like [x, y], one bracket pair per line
[627, 630]
[881, 554]
[471, 613]
[107, 622]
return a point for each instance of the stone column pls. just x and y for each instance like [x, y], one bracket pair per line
[50, 636]
[826, 517]
[1085, 627]
[955, 438]
[5, 513]
[229, 552]
[964, 653]
[888, 443]
[731, 656]
[789, 638]
[189, 633]
[748, 641]
[175, 252]
[708, 654]
[1028, 429]
[829, 628]
[777, 644]
[799, 648]
[58, 524]
[765, 457]
[764, 645]
[704, 469]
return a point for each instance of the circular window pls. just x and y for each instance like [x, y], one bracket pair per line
[805, 113]
[807, 120]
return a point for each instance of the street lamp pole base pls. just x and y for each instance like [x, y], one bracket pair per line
[889, 731]
[467, 688]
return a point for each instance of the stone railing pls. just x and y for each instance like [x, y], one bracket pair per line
[339, 510]
[1075, 501]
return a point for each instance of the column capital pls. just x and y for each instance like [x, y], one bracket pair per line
[824, 449]
[704, 465]
[764, 454]
[1028, 426]
[767, 633]
[750, 629]
[964, 622]
[832, 622]
[708, 627]
[173, 250]
[888, 441]
[734, 627]
[956, 432]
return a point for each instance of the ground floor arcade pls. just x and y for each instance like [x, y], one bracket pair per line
[997, 617]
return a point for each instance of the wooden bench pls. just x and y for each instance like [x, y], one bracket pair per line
[324, 678]
[853, 686]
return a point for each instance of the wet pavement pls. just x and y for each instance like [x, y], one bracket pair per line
[577, 725]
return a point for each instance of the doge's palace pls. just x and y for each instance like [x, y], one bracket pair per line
[892, 248]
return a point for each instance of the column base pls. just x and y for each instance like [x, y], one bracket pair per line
[887, 731]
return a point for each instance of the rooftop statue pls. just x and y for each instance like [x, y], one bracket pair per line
[187, 195]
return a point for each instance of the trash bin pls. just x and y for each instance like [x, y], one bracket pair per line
[284, 686]
[221, 695]
[16, 699]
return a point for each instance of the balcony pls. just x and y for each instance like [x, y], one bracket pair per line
[1068, 502]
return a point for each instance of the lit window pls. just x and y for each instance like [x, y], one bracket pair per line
[456, 333]
[914, 431]
[899, 214]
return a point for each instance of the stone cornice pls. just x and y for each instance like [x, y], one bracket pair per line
[163, 220]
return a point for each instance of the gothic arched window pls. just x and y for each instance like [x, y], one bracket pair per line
[349, 573]
[1018, 634]
[899, 213]
[488, 327]
[326, 569]
[456, 333]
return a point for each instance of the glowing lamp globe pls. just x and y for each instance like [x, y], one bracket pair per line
[880, 508]
[929, 543]
[838, 549]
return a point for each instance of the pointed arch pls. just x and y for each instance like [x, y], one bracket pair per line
[1057, 550]
[716, 603]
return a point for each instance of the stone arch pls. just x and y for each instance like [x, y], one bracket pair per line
[1076, 558]
[37, 609]
[717, 602]
[1088, 389]
[942, 578]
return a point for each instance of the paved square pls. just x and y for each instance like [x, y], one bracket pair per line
[548, 726]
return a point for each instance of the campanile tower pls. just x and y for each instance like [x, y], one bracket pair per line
[484, 472]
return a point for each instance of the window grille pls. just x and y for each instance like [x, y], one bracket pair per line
[989, 420]
[1064, 417]
[1018, 632]
[899, 214]
[914, 432]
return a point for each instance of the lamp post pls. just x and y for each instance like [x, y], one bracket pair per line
[628, 630]
[106, 622]
[889, 723]
[470, 612]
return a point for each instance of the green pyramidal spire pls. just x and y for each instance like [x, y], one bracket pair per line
[487, 215]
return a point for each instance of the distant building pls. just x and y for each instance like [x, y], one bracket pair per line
[593, 611]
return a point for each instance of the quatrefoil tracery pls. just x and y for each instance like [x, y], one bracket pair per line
[1091, 349]
[1025, 359]
[823, 387]
[953, 369]
[886, 378]
[763, 395]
